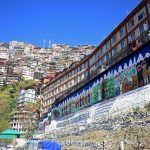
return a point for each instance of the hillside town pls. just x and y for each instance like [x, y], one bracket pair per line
[84, 97]
[32, 62]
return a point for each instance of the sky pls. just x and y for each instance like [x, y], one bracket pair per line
[73, 22]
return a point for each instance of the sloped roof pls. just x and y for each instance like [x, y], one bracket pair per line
[10, 132]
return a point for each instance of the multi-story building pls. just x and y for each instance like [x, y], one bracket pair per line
[12, 78]
[3, 68]
[4, 54]
[38, 75]
[122, 41]
[26, 95]
[6, 73]
[6, 66]
[25, 71]
[9, 78]
[2, 78]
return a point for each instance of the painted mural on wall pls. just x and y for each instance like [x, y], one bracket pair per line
[128, 75]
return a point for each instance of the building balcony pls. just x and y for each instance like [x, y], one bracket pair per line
[17, 127]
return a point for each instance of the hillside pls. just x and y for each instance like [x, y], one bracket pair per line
[8, 100]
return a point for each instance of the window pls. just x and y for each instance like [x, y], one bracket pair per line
[101, 61]
[68, 75]
[62, 79]
[96, 65]
[108, 45]
[85, 65]
[122, 32]
[76, 80]
[70, 83]
[132, 37]
[53, 92]
[52, 85]
[85, 74]
[141, 29]
[82, 77]
[66, 85]
[101, 52]
[141, 15]
[96, 56]
[71, 73]
[113, 40]
[92, 69]
[114, 51]
[59, 89]
[59, 81]
[91, 60]
[104, 48]
[76, 71]
[104, 58]
[107, 56]
[79, 78]
[145, 26]
[122, 44]
[80, 68]
[130, 24]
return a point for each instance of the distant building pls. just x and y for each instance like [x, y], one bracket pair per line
[26, 72]
[9, 78]
[38, 75]
[26, 95]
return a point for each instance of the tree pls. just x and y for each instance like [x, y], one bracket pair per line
[7, 104]
[31, 121]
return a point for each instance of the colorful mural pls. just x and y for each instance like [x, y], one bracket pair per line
[125, 76]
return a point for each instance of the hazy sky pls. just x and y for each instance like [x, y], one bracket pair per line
[70, 22]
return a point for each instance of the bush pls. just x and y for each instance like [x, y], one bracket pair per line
[12, 91]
